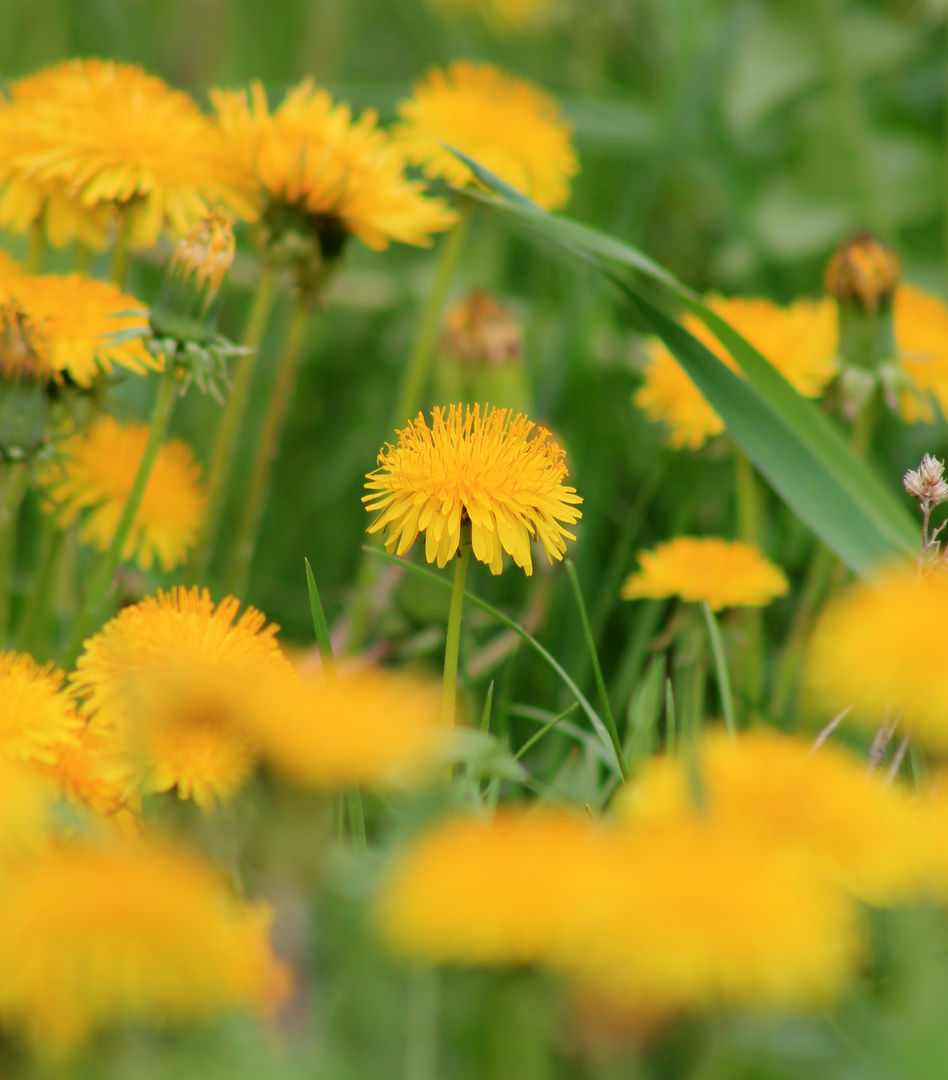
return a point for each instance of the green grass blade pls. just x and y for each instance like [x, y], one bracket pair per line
[547, 727]
[323, 640]
[720, 668]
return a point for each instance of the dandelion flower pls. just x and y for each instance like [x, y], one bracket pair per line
[500, 891]
[64, 323]
[868, 836]
[94, 937]
[365, 728]
[880, 648]
[497, 472]
[800, 341]
[172, 680]
[921, 334]
[26, 814]
[505, 124]
[95, 471]
[87, 139]
[83, 772]
[36, 713]
[309, 158]
[722, 573]
[704, 912]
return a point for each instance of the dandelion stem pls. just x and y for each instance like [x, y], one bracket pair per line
[720, 667]
[453, 645]
[32, 623]
[14, 480]
[751, 673]
[119, 271]
[36, 247]
[415, 377]
[422, 1023]
[231, 424]
[269, 442]
[100, 585]
[670, 720]
[607, 716]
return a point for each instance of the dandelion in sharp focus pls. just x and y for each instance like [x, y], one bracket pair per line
[498, 472]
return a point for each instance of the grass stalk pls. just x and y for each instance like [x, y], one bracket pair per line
[452, 646]
[749, 517]
[720, 668]
[100, 586]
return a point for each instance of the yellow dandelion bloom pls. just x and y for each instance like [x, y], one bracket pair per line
[507, 890]
[878, 648]
[502, 14]
[506, 124]
[706, 912]
[172, 680]
[800, 341]
[921, 334]
[85, 139]
[722, 573]
[83, 771]
[368, 727]
[65, 322]
[36, 713]
[92, 937]
[342, 175]
[26, 814]
[498, 472]
[95, 471]
[868, 836]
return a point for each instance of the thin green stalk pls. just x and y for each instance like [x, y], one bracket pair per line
[36, 247]
[14, 481]
[670, 720]
[720, 668]
[504, 620]
[547, 727]
[751, 666]
[100, 585]
[422, 1021]
[452, 646]
[267, 446]
[418, 369]
[33, 621]
[608, 718]
[231, 425]
[119, 270]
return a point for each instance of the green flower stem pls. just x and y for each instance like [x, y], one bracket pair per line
[14, 481]
[453, 644]
[607, 716]
[749, 519]
[269, 442]
[415, 378]
[33, 622]
[720, 668]
[230, 426]
[100, 586]
[36, 247]
[119, 271]
[422, 1024]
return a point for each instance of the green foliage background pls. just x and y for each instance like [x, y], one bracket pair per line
[737, 143]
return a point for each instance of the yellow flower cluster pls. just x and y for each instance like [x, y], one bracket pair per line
[730, 877]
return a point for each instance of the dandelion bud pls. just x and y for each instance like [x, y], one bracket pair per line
[863, 273]
[927, 481]
[481, 355]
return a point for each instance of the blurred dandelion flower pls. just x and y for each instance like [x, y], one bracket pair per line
[705, 911]
[91, 937]
[879, 648]
[800, 341]
[26, 813]
[369, 727]
[312, 168]
[63, 325]
[869, 838]
[83, 772]
[36, 712]
[721, 573]
[95, 470]
[507, 890]
[172, 681]
[921, 334]
[87, 139]
[503, 123]
[498, 472]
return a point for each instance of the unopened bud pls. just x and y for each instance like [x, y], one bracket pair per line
[927, 482]
[863, 273]
[481, 331]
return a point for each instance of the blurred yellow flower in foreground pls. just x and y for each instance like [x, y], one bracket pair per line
[722, 573]
[921, 334]
[880, 648]
[869, 837]
[63, 322]
[27, 805]
[341, 175]
[95, 471]
[369, 727]
[170, 682]
[86, 139]
[91, 937]
[800, 341]
[36, 713]
[497, 471]
[506, 124]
